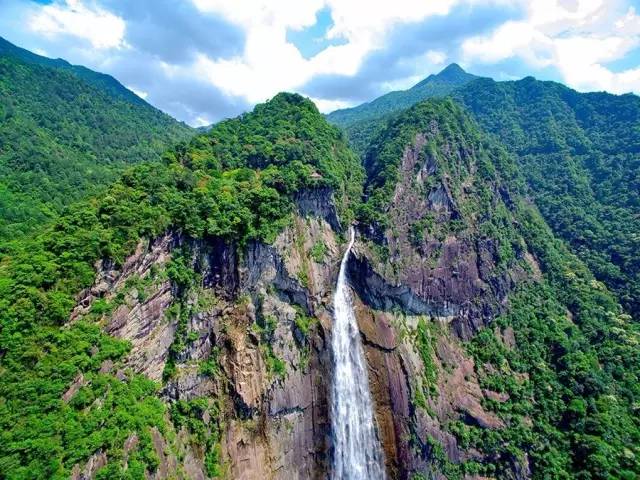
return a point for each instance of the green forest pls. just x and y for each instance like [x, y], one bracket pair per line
[89, 172]
[580, 156]
[63, 139]
[576, 345]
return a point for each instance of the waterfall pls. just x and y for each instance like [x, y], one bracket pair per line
[356, 451]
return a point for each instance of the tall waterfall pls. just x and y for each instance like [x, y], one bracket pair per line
[357, 452]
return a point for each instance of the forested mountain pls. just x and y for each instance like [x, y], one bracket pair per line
[447, 208]
[180, 320]
[174, 316]
[235, 184]
[580, 156]
[65, 132]
[362, 122]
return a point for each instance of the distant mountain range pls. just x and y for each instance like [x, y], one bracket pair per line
[438, 85]
[167, 293]
[65, 132]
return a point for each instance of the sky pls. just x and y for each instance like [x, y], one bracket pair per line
[205, 60]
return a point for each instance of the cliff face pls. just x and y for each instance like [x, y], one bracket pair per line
[241, 348]
[428, 280]
[248, 337]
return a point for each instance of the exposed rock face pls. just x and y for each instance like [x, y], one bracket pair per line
[149, 332]
[77, 384]
[446, 275]
[242, 316]
[457, 279]
[140, 321]
[315, 203]
[260, 317]
[395, 370]
[95, 463]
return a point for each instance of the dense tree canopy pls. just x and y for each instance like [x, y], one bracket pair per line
[63, 138]
[236, 182]
[580, 155]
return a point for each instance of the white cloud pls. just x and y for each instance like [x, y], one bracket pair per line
[236, 53]
[202, 121]
[270, 64]
[435, 57]
[72, 17]
[576, 38]
[363, 21]
[510, 39]
[559, 14]
[629, 24]
[142, 94]
[327, 106]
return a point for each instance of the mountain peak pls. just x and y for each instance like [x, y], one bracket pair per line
[452, 68]
[452, 74]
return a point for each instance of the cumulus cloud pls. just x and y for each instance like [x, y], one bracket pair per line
[411, 51]
[203, 60]
[93, 23]
[176, 31]
[576, 38]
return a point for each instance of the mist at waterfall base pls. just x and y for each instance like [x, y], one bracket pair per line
[356, 451]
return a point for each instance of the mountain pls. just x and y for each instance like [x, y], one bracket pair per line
[94, 367]
[178, 325]
[438, 85]
[204, 128]
[362, 122]
[105, 83]
[579, 154]
[447, 215]
[66, 132]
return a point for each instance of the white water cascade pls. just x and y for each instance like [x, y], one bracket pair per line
[357, 454]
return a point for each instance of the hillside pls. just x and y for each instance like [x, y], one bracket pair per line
[438, 85]
[177, 325]
[362, 122]
[579, 155]
[66, 132]
[105, 83]
[164, 235]
[447, 215]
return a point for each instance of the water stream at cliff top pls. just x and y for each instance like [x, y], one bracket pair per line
[356, 450]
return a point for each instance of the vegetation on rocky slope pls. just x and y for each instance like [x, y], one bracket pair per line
[580, 156]
[567, 391]
[572, 380]
[578, 153]
[236, 182]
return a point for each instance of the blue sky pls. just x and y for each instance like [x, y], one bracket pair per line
[204, 60]
[313, 39]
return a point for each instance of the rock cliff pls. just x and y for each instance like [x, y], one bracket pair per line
[246, 339]
[180, 325]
